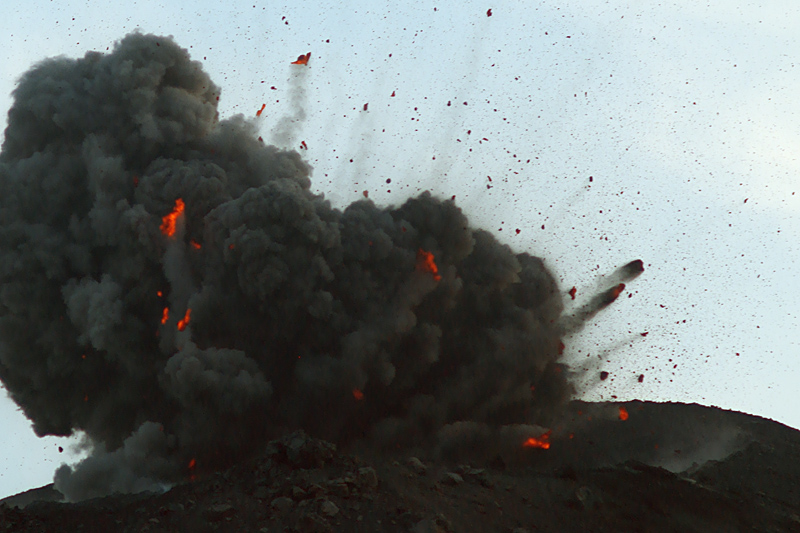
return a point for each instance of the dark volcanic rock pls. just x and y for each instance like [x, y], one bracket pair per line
[712, 471]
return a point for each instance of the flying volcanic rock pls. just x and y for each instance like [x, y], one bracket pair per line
[171, 286]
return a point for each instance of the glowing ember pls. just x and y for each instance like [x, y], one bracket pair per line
[168, 222]
[357, 394]
[543, 441]
[165, 315]
[425, 263]
[623, 413]
[616, 291]
[192, 463]
[258, 113]
[194, 244]
[182, 323]
[302, 60]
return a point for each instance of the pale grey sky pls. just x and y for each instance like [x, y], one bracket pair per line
[684, 116]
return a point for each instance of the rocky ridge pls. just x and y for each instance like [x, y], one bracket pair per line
[299, 483]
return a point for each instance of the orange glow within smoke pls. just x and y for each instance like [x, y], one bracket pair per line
[542, 442]
[194, 244]
[357, 394]
[425, 263]
[623, 413]
[168, 222]
[182, 323]
[165, 315]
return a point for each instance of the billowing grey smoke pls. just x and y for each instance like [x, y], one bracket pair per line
[301, 315]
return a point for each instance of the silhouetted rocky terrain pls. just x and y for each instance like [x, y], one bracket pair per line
[663, 467]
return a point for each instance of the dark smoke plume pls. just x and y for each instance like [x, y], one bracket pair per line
[301, 315]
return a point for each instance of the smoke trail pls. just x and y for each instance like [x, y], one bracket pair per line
[611, 289]
[285, 132]
[258, 308]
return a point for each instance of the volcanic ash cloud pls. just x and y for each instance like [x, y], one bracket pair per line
[178, 347]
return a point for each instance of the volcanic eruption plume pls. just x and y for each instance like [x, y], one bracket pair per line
[171, 286]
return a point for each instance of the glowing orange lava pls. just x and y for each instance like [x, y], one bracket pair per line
[623, 413]
[182, 323]
[192, 464]
[616, 291]
[165, 315]
[426, 263]
[543, 441]
[168, 222]
[302, 60]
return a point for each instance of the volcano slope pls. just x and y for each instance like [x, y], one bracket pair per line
[667, 467]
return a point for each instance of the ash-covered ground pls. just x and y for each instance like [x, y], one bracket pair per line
[722, 471]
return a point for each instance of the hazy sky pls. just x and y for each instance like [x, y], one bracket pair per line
[602, 131]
